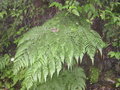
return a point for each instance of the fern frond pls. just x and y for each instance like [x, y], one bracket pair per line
[67, 80]
[44, 49]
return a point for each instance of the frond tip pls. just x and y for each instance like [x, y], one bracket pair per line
[43, 50]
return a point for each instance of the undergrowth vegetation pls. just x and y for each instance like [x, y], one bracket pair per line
[16, 17]
[37, 56]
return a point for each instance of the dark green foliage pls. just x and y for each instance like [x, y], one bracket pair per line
[4, 60]
[11, 18]
[112, 33]
[94, 75]
[42, 51]
[15, 19]
[112, 37]
[5, 72]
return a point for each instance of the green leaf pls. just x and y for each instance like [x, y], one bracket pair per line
[75, 11]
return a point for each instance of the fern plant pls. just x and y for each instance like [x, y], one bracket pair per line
[43, 50]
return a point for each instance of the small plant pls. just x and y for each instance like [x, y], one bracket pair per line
[70, 6]
[94, 75]
[115, 54]
[117, 82]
